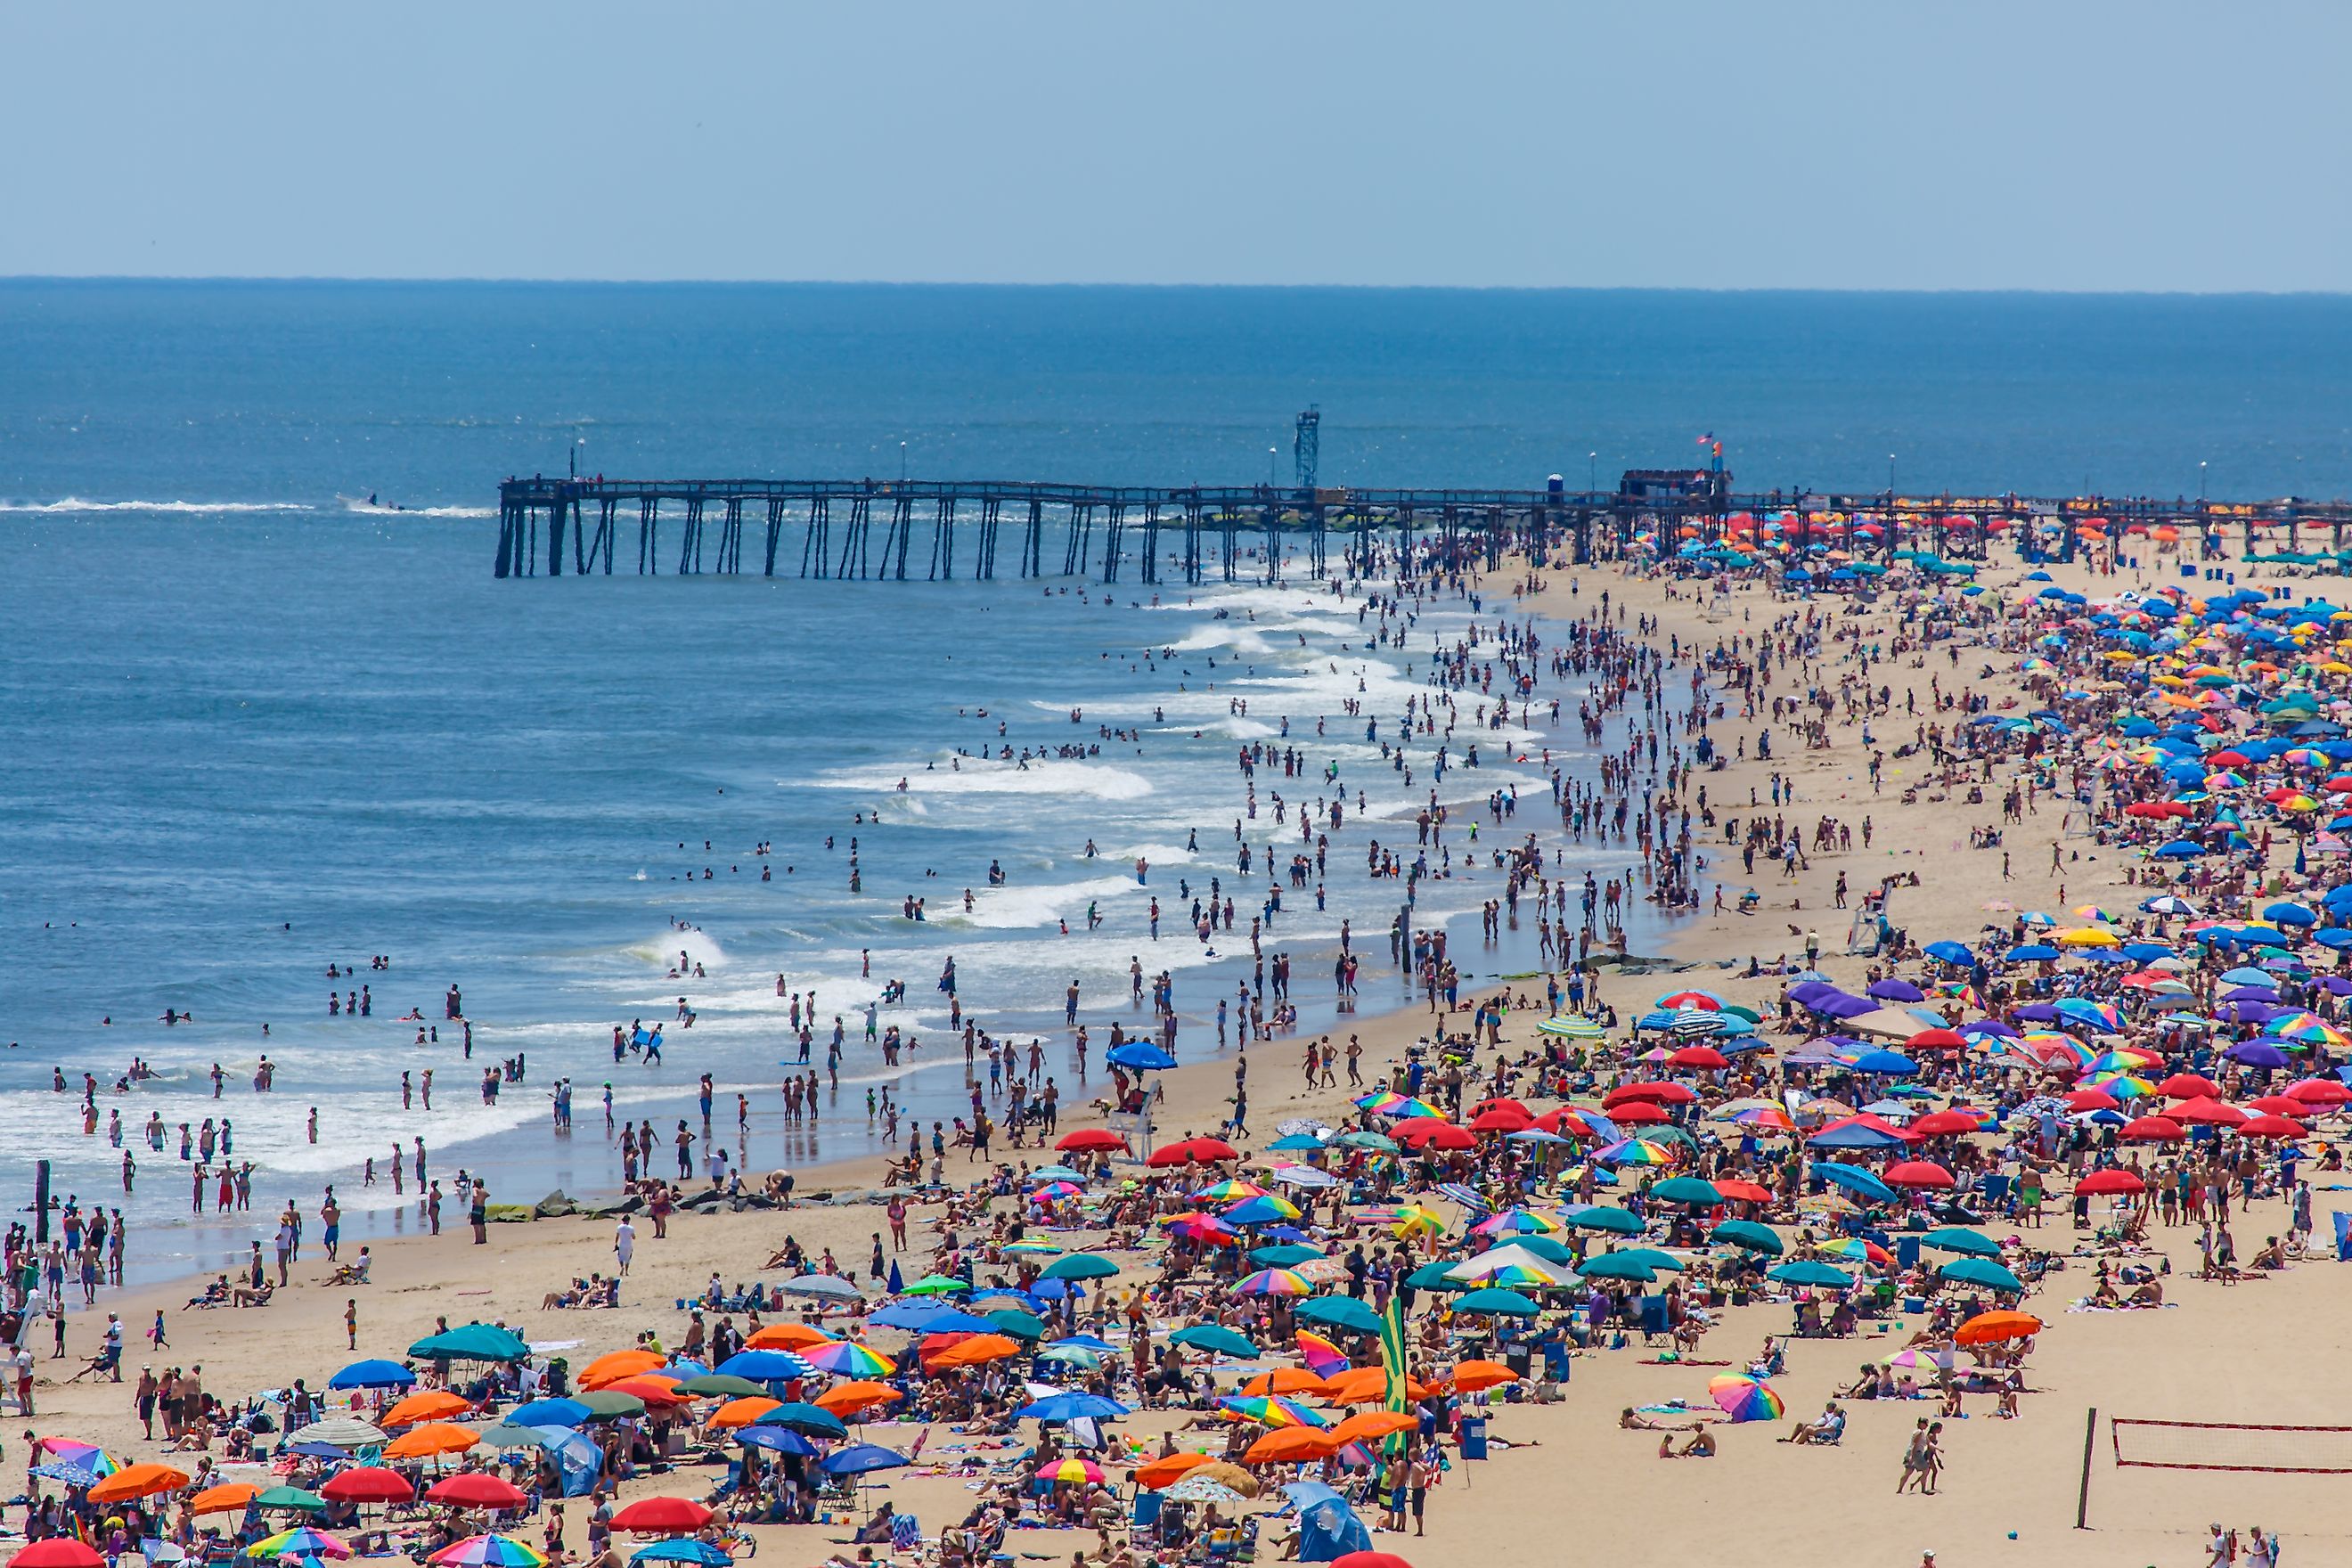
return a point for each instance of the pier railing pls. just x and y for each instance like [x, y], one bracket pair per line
[940, 528]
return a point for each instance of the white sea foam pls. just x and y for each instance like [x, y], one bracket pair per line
[983, 776]
[364, 509]
[77, 504]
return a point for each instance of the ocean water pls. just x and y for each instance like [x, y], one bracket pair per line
[253, 727]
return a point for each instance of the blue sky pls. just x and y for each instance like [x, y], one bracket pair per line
[2048, 145]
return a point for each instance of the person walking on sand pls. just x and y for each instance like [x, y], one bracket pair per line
[624, 1244]
[1914, 1458]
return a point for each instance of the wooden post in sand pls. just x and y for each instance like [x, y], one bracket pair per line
[2083, 1497]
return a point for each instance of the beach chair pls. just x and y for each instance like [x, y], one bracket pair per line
[1148, 1505]
[905, 1532]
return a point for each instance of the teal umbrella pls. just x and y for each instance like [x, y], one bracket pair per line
[1432, 1276]
[1615, 1265]
[474, 1342]
[1748, 1235]
[1498, 1302]
[1663, 1261]
[1980, 1271]
[1080, 1266]
[1340, 1312]
[1959, 1239]
[1687, 1190]
[1214, 1337]
[722, 1384]
[1017, 1324]
[1602, 1216]
[1806, 1271]
[1550, 1248]
[1288, 1255]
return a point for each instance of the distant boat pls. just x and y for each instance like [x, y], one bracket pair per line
[353, 503]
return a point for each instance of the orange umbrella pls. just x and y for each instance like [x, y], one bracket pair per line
[787, 1337]
[615, 1365]
[1291, 1446]
[977, 1351]
[1360, 1384]
[651, 1389]
[844, 1397]
[1992, 1328]
[1370, 1425]
[432, 1405]
[1471, 1376]
[134, 1482]
[1286, 1379]
[230, 1498]
[1168, 1471]
[433, 1437]
[743, 1412]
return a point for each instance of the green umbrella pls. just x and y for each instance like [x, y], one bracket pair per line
[1077, 1355]
[474, 1342]
[1498, 1302]
[1737, 1011]
[721, 1382]
[1432, 1276]
[1615, 1265]
[1980, 1271]
[1806, 1271]
[937, 1285]
[1340, 1312]
[1601, 1216]
[1959, 1239]
[1748, 1234]
[1288, 1255]
[293, 1498]
[1081, 1266]
[1360, 1140]
[1663, 1262]
[604, 1404]
[1687, 1190]
[507, 1434]
[1017, 1324]
[1214, 1337]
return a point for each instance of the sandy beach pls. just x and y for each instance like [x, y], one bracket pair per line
[2226, 1353]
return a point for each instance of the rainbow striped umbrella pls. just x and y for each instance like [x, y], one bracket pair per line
[849, 1358]
[2307, 1027]
[1054, 1191]
[1198, 1226]
[301, 1542]
[1271, 1410]
[1745, 1399]
[490, 1551]
[1767, 1116]
[1634, 1152]
[2122, 1084]
[1033, 1249]
[1264, 1209]
[1517, 1222]
[1228, 1192]
[1855, 1249]
[1322, 1357]
[1274, 1282]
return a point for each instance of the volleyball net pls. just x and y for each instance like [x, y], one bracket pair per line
[2234, 1445]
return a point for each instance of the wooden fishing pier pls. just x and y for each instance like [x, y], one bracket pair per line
[938, 530]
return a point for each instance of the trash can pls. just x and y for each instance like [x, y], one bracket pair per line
[1473, 1431]
[1521, 1360]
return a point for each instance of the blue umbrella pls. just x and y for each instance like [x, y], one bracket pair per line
[1855, 1179]
[1808, 1271]
[2032, 952]
[2179, 849]
[1853, 1136]
[1138, 1053]
[781, 1439]
[1076, 1406]
[685, 1549]
[373, 1374]
[548, 1413]
[1891, 1063]
[766, 1366]
[1950, 952]
[1980, 1271]
[924, 1316]
[860, 1458]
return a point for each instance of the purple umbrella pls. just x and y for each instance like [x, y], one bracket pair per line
[2256, 1053]
[2038, 1013]
[1894, 990]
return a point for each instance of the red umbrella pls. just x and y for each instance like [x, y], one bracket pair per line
[1743, 1191]
[1935, 1040]
[1665, 1094]
[674, 1514]
[1501, 1119]
[2319, 1091]
[1193, 1151]
[1936, 1124]
[1637, 1113]
[477, 1489]
[2278, 1105]
[2270, 1127]
[2082, 1099]
[1918, 1173]
[1088, 1139]
[1369, 1559]
[65, 1552]
[1503, 1101]
[1428, 1132]
[2206, 1111]
[368, 1483]
[2188, 1085]
[1698, 999]
[2153, 1130]
[1564, 1123]
[2110, 1182]
[1701, 1058]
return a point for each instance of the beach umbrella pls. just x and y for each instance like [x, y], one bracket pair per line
[1745, 1398]
[1749, 1235]
[1140, 1056]
[979, 1350]
[301, 1542]
[230, 1498]
[1369, 1559]
[776, 1440]
[370, 1483]
[685, 1549]
[826, 1287]
[1079, 1471]
[809, 1420]
[1603, 1218]
[2270, 1125]
[1498, 1302]
[851, 1358]
[1856, 1180]
[549, 1412]
[1980, 1271]
[1274, 1282]
[1691, 1190]
[432, 1405]
[667, 1515]
[474, 1342]
[1192, 1151]
[788, 1337]
[2152, 1130]
[1958, 1238]
[615, 1365]
[1920, 1174]
[132, 1482]
[1370, 1425]
[853, 1398]
[1613, 1266]
[763, 1366]
[476, 1489]
[1166, 1471]
[1270, 1410]
[2318, 1092]
[373, 1374]
[1340, 1312]
[1993, 1328]
[433, 1439]
[2205, 1110]
[1290, 1446]
[490, 1551]
[2111, 1183]
[1805, 1272]
[1090, 1140]
[56, 1552]
[1080, 1266]
[1072, 1406]
[1215, 1338]
[735, 1413]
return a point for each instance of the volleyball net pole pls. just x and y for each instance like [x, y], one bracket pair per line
[2090, 1442]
